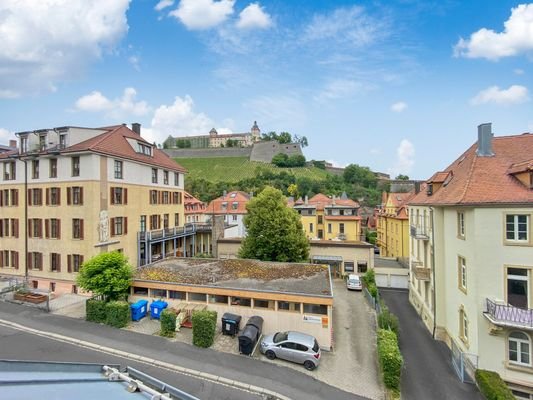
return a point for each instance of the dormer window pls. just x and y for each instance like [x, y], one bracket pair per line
[234, 205]
[23, 144]
[42, 142]
[62, 141]
[145, 149]
[224, 205]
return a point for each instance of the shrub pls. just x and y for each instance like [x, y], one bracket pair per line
[204, 325]
[387, 320]
[168, 323]
[492, 386]
[118, 313]
[373, 290]
[95, 310]
[390, 358]
[369, 277]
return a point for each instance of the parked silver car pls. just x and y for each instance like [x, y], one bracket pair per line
[292, 346]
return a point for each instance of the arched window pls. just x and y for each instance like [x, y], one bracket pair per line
[519, 348]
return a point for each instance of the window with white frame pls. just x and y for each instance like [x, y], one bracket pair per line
[463, 325]
[517, 227]
[518, 287]
[461, 224]
[519, 348]
[461, 261]
[118, 169]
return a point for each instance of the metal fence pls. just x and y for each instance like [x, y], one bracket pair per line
[464, 364]
[375, 303]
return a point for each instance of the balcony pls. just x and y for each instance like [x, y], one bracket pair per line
[419, 232]
[505, 315]
[422, 273]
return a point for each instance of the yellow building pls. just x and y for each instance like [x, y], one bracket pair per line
[82, 192]
[393, 226]
[329, 218]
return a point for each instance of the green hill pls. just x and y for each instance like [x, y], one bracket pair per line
[234, 169]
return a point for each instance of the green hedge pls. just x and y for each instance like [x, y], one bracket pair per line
[95, 310]
[204, 325]
[492, 386]
[387, 320]
[390, 358]
[118, 313]
[168, 323]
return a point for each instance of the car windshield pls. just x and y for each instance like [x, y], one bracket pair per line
[280, 337]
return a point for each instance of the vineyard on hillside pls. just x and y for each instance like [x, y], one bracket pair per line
[234, 169]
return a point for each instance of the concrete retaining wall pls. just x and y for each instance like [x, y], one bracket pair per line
[265, 151]
[210, 152]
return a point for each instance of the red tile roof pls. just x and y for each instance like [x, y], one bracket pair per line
[485, 180]
[321, 200]
[114, 143]
[190, 202]
[216, 205]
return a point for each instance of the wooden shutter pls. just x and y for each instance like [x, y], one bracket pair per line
[1, 198]
[81, 229]
[15, 199]
[59, 229]
[81, 195]
[125, 225]
[159, 222]
[47, 196]
[16, 225]
[112, 223]
[125, 196]
[159, 197]
[80, 258]
[1, 259]
[40, 227]
[40, 261]
[47, 228]
[15, 259]
[111, 196]
[69, 196]
[58, 262]
[29, 260]
[69, 263]
[30, 199]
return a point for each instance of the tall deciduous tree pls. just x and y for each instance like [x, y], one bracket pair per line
[275, 232]
[107, 274]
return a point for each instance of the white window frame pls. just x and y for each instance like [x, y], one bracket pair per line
[515, 230]
[519, 344]
[461, 224]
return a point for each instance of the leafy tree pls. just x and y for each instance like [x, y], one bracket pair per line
[107, 274]
[232, 143]
[363, 176]
[292, 189]
[275, 232]
[301, 140]
[284, 138]
[402, 177]
[183, 143]
[281, 160]
[296, 160]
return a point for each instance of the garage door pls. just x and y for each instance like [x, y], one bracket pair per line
[399, 281]
[382, 280]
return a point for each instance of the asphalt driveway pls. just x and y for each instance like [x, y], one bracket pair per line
[428, 372]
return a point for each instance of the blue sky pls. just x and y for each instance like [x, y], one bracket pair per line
[399, 86]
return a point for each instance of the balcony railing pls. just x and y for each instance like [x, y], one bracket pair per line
[419, 232]
[507, 315]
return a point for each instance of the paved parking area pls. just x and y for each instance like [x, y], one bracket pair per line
[352, 365]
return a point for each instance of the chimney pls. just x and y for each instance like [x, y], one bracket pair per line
[136, 127]
[484, 140]
[13, 144]
[306, 199]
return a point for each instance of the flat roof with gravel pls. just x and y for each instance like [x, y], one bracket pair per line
[294, 278]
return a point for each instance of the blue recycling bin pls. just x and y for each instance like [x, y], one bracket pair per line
[156, 308]
[139, 310]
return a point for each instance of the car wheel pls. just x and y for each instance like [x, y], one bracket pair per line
[270, 355]
[309, 365]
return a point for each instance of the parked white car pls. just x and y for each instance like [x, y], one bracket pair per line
[354, 282]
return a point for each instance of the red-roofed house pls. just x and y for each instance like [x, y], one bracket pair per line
[87, 191]
[472, 257]
[232, 206]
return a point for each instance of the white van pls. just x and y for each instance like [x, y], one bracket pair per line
[354, 282]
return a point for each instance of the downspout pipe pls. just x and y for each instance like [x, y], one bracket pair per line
[434, 296]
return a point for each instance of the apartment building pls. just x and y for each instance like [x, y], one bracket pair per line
[393, 226]
[472, 257]
[70, 193]
[232, 206]
[329, 218]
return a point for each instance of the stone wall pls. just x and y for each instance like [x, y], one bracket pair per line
[265, 151]
[210, 152]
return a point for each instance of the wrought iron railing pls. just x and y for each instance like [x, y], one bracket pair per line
[175, 231]
[508, 314]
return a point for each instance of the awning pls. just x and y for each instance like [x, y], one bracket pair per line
[326, 258]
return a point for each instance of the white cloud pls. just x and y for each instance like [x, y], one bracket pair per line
[117, 108]
[179, 118]
[203, 14]
[134, 61]
[337, 164]
[48, 41]
[351, 25]
[254, 16]
[163, 4]
[405, 158]
[519, 71]
[399, 107]
[516, 38]
[339, 88]
[515, 94]
[5, 136]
